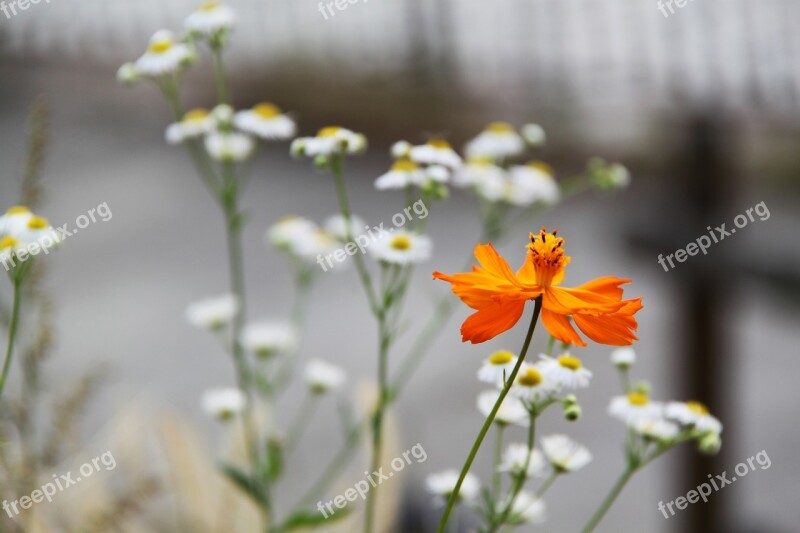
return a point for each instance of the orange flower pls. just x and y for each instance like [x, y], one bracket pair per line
[498, 295]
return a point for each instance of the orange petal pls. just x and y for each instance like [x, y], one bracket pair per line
[559, 327]
[566, 301]
[491, 320]
[612, 330]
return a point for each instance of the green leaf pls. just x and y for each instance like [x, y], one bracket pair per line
[312, 519]
[244, 481]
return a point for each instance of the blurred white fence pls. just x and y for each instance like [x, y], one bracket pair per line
[741, 53]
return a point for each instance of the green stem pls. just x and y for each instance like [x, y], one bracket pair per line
[547, 484]
[519, 481]
[609, 500]
[344, 207]
[496, 476]
[12, 330]
[219, 75]
[490, 419]
[301, 421]
[377, 423]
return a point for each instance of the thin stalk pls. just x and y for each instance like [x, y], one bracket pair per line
[609, 500]
[12, 330]
[519, 481]
[220, 80]
[496, 475]
[301, 421]
[546, 485]
[490, 419]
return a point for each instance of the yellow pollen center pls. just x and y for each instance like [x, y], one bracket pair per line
[501, 358]
[405, 165]
[482, 161]
[530, 378]
[267, 110]
[8, 242]
[209, 6]
[568, 361]
[195, 115]
[439, 143]
[18, 210]
[638, 399]
[159, 47]
[500, 127]
[541, 166]
[401, 242]
[697, 408]
[37, 223]
[546, 252]
[329, 131]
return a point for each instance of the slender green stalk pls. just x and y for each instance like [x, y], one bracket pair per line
[496, 475]
[12, 329]
[609, 500]
[519, 481]
[220, 81]
[490, 419]
[301, 421]
[547, 484]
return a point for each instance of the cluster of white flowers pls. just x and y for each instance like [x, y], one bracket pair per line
[664, 423]
[302, 239]
[425, 166]
[329, 142]
[24, 234]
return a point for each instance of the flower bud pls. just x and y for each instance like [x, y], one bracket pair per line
[321, 161]
[623, 358]
[570, 399]
[128, 74]
[573, 412]
[642, 387]
[710, 443]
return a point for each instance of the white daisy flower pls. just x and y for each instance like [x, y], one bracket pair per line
[266, 121]
[499, 140]
[693, 414]
[301, 238]
[223, 404]
[481, 175]
[436, 152]
[401, 150]
[526, 509]
[511, 410]
[164, 55]
[9, 246]
[532, 183]
[213, 313]
[515, 457]
[223, 115]
[266, 339]
[322, 377]
[329, 141]
[656, 428]
[533, 134]
[36, 230]
[634, 407]
[230, 147]
[210, 18]
[565, 454]
[623, 357]
[194, 123]
[442, 485]
[402, 248]
[402, 174]
[337, 226]
[497, 367]
[531, 384]
[15, 220]
[565, 371]
[127, 74]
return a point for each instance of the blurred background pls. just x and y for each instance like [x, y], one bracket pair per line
[703, 106]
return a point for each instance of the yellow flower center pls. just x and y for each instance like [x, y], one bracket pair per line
[267, 110]
[195, 115]
[208, 6]
[401, 242]
[637, 398]
[18, 210]
[482, 161]
[8, 242]
[405, 165]
[546, 252]
[160, 46]
[502, 357]
[697, 408]
[500, 127]
[439, 143]
[329, 131]
[37, 223]
[530, 378]
[541, 166]
[568, 361]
